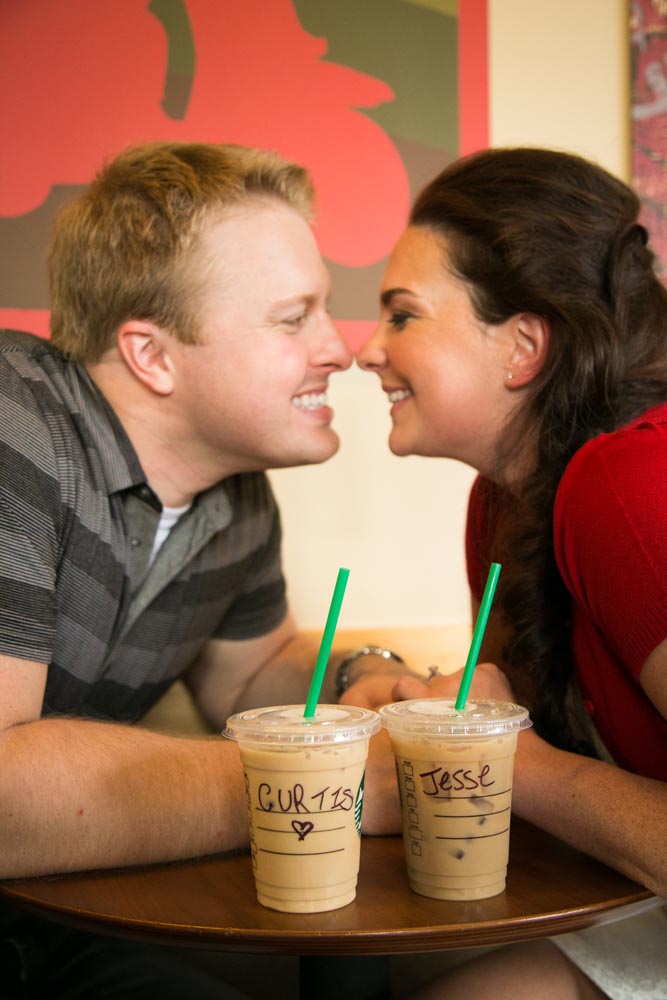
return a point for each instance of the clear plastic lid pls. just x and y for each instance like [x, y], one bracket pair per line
[286, 725]
[440, 717]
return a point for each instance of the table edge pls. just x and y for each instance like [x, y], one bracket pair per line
[336, 942]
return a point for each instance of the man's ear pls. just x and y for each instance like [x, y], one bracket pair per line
[528, 348]
[144, 347]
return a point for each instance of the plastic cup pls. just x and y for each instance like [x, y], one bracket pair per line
[305, 786]
[454, 770]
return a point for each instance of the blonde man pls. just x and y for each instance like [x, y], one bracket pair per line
[191, 350]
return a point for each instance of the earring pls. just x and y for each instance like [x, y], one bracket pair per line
[510, 376]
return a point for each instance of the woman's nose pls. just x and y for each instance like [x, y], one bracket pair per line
[372, 354]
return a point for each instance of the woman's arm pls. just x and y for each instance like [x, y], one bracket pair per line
[615, 816]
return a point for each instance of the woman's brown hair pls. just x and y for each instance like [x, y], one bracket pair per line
[549, 233]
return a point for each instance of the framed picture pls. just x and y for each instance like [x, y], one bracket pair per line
[648, 32]
[373, 97]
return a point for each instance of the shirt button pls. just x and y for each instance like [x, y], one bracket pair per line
[590, 707]
[135, 542]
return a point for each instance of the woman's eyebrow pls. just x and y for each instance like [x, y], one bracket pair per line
[388, 295]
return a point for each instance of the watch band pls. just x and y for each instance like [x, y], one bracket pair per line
[342, 673]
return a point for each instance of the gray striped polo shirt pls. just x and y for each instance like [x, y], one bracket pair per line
[77, 521]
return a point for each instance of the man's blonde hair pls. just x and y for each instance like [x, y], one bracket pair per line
[123, 250]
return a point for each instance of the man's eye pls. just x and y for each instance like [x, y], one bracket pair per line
[399, 319]
[296, 321]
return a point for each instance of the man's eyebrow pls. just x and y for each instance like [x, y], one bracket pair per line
[295, 300]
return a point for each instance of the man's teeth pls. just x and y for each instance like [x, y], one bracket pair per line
[310, 401]
[398, 394]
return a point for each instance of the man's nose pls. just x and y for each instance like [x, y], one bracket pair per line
[333, 351]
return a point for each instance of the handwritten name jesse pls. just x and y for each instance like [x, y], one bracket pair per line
[287, 800]
[463, 779]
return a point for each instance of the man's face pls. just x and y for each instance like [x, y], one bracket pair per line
[252, 392]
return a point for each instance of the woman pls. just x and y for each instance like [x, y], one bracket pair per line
[524, 331]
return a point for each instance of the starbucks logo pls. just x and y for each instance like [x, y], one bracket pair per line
[359, 804]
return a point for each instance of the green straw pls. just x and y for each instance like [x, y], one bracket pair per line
[478, 635]
[325, 645]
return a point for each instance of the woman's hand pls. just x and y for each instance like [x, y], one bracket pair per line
[488, 682]
[382, 808]
[371, 690]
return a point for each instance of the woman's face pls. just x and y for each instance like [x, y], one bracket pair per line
[443, 369]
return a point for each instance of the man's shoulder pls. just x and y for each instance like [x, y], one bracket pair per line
[249, 488]
[251, 505]
[14, 343]
[30, 358]
[36, 406]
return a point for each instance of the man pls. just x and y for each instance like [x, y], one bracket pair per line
[191, 350]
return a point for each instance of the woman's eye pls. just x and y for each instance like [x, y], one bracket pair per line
[399, 319]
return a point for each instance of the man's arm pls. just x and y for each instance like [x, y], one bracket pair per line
[273, 669]
[77, 794]
[276, 669]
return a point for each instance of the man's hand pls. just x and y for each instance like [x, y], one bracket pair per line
[372, 679]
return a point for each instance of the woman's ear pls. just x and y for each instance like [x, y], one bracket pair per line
[528, 336]
[144, 347]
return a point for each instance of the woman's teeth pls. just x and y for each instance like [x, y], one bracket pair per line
[398, 394]
[310, 401]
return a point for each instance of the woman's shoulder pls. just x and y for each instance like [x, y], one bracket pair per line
[610, 537]
[635, 453]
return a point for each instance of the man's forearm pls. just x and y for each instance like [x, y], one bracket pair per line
[285, 678]
[78, 794]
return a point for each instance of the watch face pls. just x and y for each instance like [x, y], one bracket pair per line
[342, 673]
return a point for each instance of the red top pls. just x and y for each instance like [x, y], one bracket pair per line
[610, 541]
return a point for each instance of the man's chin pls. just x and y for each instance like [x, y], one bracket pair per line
[315, 455]
[322, 455]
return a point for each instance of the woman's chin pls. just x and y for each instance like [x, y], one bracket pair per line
[399, 445]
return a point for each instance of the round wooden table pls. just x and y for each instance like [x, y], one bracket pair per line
[211, 903]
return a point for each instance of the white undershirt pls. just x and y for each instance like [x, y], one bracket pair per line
[168, 519]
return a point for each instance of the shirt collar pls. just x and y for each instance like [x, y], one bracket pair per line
[121, 468]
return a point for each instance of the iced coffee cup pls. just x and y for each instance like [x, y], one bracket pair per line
[305, 786]
[454, 772]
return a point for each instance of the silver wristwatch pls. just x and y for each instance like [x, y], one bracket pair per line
[342, 673]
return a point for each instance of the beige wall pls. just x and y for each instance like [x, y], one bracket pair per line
[558, 77]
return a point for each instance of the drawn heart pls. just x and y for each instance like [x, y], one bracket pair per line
[302, 829]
